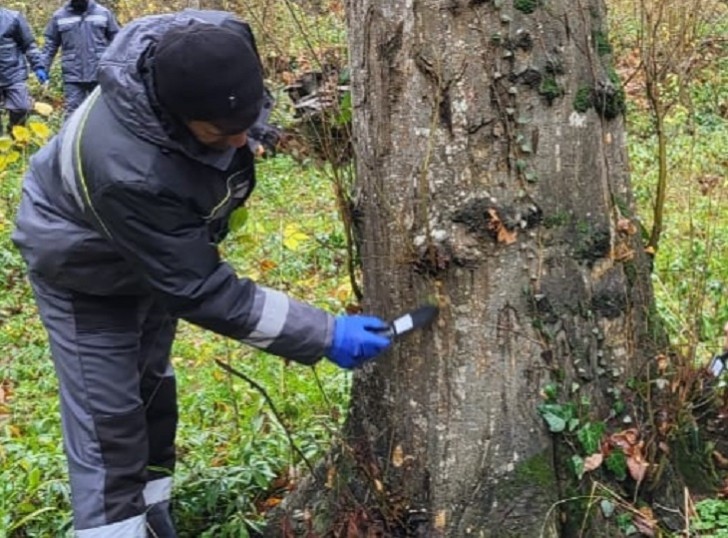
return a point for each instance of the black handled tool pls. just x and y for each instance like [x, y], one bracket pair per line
[718, 364]
[419, 318]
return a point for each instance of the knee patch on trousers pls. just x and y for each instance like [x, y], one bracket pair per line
[160, 398]
[125, 453]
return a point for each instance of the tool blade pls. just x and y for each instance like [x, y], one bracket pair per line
[416, 319]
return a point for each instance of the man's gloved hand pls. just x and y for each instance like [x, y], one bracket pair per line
[263, 139]
[41, 75]
[357, 339]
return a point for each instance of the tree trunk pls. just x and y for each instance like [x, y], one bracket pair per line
[493, 180]
[491, 159]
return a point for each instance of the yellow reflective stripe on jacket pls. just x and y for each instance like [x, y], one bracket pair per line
[70, 158]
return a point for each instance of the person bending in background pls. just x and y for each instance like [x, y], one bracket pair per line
[16, 45]
[82, 29]
[119, 222]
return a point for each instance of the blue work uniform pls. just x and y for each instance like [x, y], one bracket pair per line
[82, 36]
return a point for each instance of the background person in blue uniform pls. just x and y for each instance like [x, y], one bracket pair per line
[17, 49]
[82, 29]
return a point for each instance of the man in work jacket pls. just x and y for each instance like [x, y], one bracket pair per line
[16, 44]
[118, 224]
[82, 29]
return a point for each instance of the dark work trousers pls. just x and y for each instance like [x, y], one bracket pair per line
[74, 94]
[17, 101]
[118, 408]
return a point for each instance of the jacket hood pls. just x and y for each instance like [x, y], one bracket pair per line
[125, 78]
[90, 5]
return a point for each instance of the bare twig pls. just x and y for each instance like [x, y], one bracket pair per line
[273, 408]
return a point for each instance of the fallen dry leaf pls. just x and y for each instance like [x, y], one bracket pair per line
[622, 253]
[330, 476]
[503, 234]
[637, 468]
[593, 462]
[440, 520]
[645, 521]
[662, 363]
[43, 109]
[266, 265]
[626, 440]
[398, 456]
[626, 226]
[720, 460]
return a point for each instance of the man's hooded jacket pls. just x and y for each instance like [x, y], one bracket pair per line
[125, 201]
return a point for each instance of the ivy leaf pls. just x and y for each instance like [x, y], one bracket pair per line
[617, 463]
[555, 423]
[607, 507]
[573, 424]
[577, 462]
[590, 436]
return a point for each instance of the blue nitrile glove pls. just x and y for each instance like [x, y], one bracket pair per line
[41, 74]
[356, 340]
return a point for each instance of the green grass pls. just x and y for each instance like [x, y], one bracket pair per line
[691, 273]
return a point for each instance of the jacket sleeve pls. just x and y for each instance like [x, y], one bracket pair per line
[52, 42]
[26, 42]
[168, 245]
[112, 27]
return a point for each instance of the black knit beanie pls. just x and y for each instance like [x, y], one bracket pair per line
[209, 73]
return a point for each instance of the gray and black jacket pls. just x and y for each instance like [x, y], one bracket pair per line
[123, 201]
[16, 44]
[82, 38]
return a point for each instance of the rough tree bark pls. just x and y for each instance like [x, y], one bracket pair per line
[493, 179]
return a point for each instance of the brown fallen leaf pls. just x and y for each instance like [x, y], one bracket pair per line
[398, 456]
[720, 460]
[662, 362]
[593, 462]
[626, 226]
[645, 521]
[503, 234]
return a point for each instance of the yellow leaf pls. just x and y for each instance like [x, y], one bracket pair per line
[12, 157]
[8, 159]
[5, 144]
[343, 292]
[40, 130]
[21, 134]
[218, 375]
[293, 237]
[44, 109]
